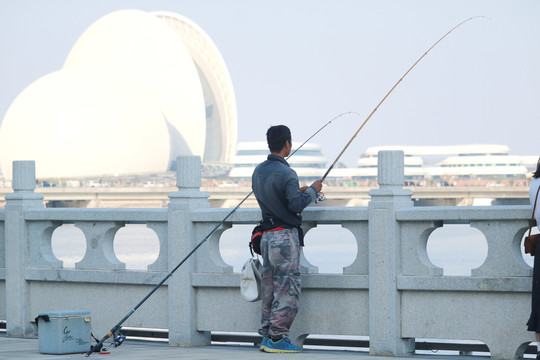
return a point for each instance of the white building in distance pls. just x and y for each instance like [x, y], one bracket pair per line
[463, 161]
[430, 162]
[137, 90]
[308, 162]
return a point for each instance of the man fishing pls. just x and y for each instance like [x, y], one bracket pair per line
[281, 201]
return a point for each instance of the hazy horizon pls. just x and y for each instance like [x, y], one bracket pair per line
[301, 63]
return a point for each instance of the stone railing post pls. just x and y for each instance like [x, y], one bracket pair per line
[18, 317]
[385, 257]
[182, 239]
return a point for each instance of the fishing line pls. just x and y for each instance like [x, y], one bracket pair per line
[318, 131]
[113, 332]
[392, 89]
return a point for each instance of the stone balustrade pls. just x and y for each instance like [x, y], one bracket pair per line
[391, 292]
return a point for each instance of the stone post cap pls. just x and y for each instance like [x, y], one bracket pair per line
[24, 175]
[391, 168]
[188, 172]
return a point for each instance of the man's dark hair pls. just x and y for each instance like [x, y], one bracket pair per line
[277, 136]
[536, 174]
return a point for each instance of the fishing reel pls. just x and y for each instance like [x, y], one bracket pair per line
[119, 340]
[320, 197]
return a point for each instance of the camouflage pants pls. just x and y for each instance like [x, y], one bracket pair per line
[280, 281]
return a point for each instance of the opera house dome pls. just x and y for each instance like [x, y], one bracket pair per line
[78, 123]
[137, 90]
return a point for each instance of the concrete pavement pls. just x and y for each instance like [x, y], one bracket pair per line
[28, 349]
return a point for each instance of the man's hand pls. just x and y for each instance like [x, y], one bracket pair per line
[318, 185]
[303, 188]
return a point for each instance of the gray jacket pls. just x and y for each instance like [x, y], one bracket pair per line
[276, 188]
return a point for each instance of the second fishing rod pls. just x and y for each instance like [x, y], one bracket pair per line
[115, 330]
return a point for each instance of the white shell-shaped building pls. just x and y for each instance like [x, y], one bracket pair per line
[221, 116]
[308, 161]
[78, 123]
[136, 90]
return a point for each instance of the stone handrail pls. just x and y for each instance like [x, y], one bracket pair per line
[391, 292]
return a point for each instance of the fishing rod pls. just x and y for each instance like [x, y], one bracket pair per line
[392, 89]
[118, 339]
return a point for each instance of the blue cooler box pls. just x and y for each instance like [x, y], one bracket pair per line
[64, 332]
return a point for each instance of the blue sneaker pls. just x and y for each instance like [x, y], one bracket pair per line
[263, 343]
[282, 346]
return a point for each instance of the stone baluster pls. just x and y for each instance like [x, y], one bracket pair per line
[100, 245]
[305, 266]
[2, 250]
[504, 248]
[182, 240]
[385, 258]
[18, 317]
[360, 265]
[160, 228]
[209, 259]
[40, 253]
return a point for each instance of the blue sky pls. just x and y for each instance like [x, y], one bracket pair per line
[302, 62]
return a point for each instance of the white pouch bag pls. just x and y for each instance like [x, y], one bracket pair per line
[250, 284]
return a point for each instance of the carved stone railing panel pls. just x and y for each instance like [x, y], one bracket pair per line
[391, 292]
